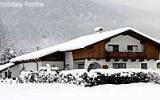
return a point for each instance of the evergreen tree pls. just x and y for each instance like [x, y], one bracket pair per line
[6, 55]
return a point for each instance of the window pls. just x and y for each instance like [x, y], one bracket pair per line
[113, 48]
[132, 48]
[119, 65]
[81, 65]
[158, 65]
[143, 65]
[105, 66]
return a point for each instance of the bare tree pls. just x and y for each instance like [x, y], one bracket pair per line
[5, 39]
[2, 36]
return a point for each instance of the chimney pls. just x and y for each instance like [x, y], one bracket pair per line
[98, 29]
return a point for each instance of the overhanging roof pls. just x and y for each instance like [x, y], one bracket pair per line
[5, 66]
[77, 43]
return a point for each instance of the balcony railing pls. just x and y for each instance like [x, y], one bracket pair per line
[126, 55]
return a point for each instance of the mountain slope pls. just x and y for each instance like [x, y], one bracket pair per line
[61, 20]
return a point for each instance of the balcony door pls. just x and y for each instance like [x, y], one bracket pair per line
[132, 48]
[113, 48]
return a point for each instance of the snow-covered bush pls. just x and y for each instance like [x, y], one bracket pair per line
[42, 76]
[108, 76]
[92, 78]
[121, 76]
[47, 77]
[24, 76]
[28, 76]
[72, 76]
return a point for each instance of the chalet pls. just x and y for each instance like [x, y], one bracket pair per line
[120, 48]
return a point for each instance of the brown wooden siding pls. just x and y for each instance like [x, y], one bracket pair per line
[151, 50]
[95, 51]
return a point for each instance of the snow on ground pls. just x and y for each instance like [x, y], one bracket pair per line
[138, 91]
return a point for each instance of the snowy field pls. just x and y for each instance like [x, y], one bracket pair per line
[137, 91]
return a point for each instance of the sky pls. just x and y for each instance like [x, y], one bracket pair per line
[147, 5]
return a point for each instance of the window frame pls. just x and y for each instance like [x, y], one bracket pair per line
[132, 48]
[80, 64]
[158, 65]
[143, 67]
[114, 45]
[120, 65]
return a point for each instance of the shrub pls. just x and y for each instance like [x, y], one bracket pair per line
[47, 77]
[72, 76]
[24, 76]
[92, 78]
[126, 76]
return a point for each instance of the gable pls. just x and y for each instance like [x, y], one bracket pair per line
[99, 50]
[123, 41]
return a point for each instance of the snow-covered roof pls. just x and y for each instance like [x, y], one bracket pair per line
[5, 66]
[77, 43]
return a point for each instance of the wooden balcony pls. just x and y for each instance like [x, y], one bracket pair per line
[127, 55]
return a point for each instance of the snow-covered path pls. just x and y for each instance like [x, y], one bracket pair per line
[72, 92]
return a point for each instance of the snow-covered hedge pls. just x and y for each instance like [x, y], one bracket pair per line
[122, 76]
[47, 77]
[37, 77]
[73, 77]
[92, 78]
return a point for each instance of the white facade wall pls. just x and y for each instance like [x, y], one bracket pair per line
[59, 64]
[69, 60]
[151, 64]
[15, 71]
[123, 41]
[32, 66]
[29, 66]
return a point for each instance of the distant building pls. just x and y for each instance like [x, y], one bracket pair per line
[121, 48]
